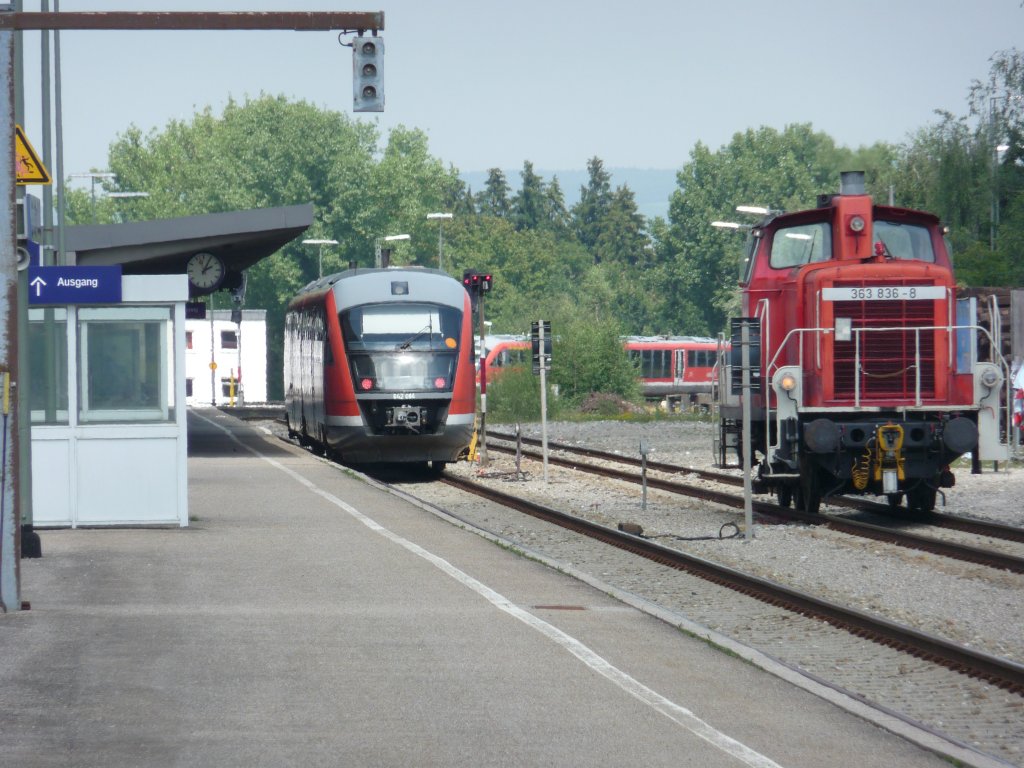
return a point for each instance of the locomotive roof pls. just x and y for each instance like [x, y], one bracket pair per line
[884, 212]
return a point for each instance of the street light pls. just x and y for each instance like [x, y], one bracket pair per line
[441, 217]
[125, 196]
[758, 210]
[321, 243]
[93, 176]
[997, 149]
[380, 251]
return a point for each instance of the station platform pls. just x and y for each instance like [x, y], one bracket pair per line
[308, 617]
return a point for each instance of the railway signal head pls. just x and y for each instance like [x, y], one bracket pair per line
[368, 74]
[476, 282]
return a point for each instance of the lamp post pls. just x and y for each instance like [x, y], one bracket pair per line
[93, 176]
[441, 218]
[998, 148]
[380, 250]
[320, 260]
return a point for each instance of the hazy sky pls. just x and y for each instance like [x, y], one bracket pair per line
[553, 82]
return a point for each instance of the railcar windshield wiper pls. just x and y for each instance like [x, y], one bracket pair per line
[425, 330]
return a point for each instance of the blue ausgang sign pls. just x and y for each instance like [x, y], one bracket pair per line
[74, 285]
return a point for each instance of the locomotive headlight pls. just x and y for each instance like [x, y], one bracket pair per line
[857, 224]
[787, 383]
[989, 377]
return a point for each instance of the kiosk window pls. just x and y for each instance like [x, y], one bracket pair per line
[125, 364]
[48, 365]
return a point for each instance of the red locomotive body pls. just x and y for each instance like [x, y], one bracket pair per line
[378, 366]
[870, 383]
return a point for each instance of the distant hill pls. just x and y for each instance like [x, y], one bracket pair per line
[651, 187]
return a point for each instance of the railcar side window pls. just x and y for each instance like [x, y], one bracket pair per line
[652, 363]
[905, 241]
[802, 244]
[700, 358]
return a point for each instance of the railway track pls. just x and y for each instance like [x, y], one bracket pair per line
[999, 672]
[954, 550]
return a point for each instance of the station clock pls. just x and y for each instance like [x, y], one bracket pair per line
[205, 271]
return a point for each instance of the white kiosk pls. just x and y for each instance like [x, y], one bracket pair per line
[109, 439]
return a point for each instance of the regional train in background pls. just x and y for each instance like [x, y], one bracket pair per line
[869, 380]
[378, 366]
[674, 369]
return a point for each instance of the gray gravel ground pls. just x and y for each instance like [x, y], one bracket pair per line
[969, 604]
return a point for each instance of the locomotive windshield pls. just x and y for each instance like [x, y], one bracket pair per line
[402, 347]
[904, 241]
[802, 244]
[810, 243]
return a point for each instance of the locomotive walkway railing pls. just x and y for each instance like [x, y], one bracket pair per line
[860, 373]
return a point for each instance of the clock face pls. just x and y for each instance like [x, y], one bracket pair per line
[205, 271]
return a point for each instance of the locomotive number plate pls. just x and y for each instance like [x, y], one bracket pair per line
[885, 293]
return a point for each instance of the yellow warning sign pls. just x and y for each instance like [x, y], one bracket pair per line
[29, 169]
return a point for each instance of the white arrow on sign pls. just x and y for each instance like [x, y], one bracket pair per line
[38, 284]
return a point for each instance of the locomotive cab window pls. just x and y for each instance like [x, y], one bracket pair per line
[904, 241]
[802, 244]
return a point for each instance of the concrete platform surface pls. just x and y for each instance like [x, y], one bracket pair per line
[309, 618]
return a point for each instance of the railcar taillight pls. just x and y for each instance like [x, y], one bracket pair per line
[439, 382]
[366, 385]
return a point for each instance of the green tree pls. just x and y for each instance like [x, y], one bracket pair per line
[622, 239]
[594, 203]
[494, 200]
[587, 356]
[558, 218]
[530, 203]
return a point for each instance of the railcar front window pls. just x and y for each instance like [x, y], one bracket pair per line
[402, 347]
[802, 244]
[904, 241]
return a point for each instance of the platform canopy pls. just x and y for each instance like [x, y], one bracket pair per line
[164, 246]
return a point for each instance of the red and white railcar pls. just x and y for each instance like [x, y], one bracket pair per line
[378, 366]
[674, 368]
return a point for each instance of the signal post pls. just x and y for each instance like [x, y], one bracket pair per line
[477, 284]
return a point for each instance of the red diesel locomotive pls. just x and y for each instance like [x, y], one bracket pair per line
[378, 366]
[868, 362]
